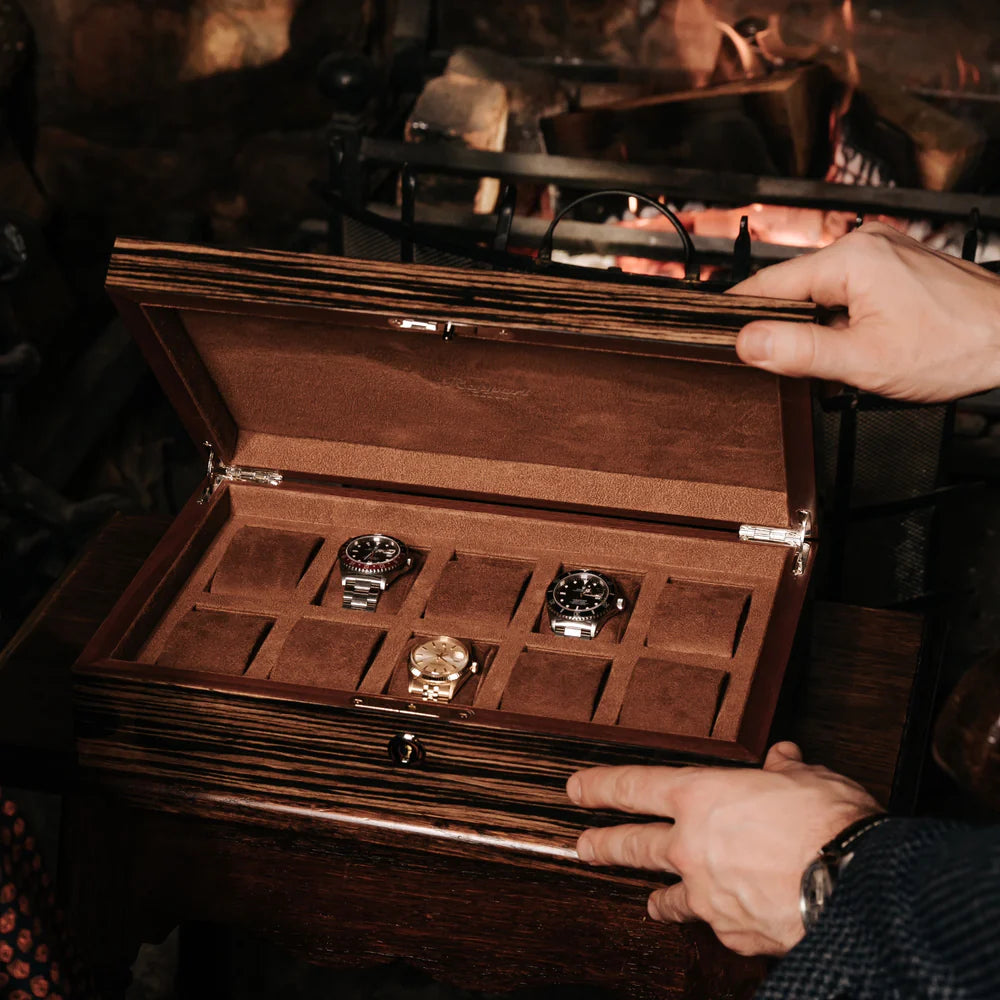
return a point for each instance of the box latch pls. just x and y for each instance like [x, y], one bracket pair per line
[219, 473]
[796, 538]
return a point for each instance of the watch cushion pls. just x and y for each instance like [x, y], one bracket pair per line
[264, 561]
[614, 627]
[391, 599]
[219, 642]
[694, 617]
[325, 654]
[555, 685]
[478, 589]
[482, 654]
[667, 697]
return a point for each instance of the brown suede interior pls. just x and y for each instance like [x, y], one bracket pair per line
[392, 597]
[218, 642]
[699, 618]
[614, 627]
[493, 417]
[483, 653]
[287, 636]
[666, 697]
[555, 685]
[264, 561]
[479, 588]
[324, 654]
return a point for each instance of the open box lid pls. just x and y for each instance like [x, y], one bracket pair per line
[546, 391]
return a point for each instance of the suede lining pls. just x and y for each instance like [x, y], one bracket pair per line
[217, 642]
[666, 697]
[587, 427]
[699, 618]
[479, 588]
[642, 558]
[327, 654]
[264, 560]
[555, 685]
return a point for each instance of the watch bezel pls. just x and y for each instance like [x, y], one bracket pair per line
[350, 565]
[612, 605]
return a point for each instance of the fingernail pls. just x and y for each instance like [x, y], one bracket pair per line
[756, 344]
[573, 789]
[584, 851]
[652, 910]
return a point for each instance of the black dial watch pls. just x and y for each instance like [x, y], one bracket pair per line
[820, 877]
[581, 601]
[369, 564]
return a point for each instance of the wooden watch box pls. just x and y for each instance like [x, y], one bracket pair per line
[506, 428]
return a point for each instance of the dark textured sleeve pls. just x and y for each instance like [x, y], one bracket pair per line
[916, 914]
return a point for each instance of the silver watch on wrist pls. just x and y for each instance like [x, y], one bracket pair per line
[820, 877]
[580, 601]
[368, 565]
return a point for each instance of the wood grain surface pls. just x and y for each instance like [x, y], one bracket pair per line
[168, 274]
[346, 885]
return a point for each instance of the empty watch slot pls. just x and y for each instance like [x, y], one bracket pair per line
[667, 697]
[694, 617]
[264, 561]
[331, 655]
[480, 589]
[389, 600]
[555, 685]
[439, 658]
[583, 600]
[221, 642]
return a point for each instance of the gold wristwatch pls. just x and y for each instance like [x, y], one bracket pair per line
[439, 667]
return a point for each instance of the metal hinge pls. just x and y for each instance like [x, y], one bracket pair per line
[218, 473]
[797, 538]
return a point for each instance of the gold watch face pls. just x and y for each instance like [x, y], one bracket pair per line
[439, 659]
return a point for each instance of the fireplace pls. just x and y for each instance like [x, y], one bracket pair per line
[454, 133]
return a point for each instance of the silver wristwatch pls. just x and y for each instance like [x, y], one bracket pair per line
[368, 565]
[581, 601]
[820, 877]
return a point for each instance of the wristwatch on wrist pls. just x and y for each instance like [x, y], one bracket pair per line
[439, 667]
[581, 601]
[820, 877]
[369, 564]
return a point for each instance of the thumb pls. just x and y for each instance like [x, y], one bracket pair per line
[671, 905]
[781, 756]
[797, 349]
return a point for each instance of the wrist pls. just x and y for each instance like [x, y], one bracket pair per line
[820, 878]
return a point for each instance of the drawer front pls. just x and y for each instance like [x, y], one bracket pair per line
[314, 759]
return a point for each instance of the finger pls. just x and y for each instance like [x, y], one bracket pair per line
[671, 904]
[781, 756]
[800, 349]
[638, 789]
[634, 845]
[820, 276]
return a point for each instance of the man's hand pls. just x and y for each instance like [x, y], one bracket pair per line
[921, 325]
[740, 839]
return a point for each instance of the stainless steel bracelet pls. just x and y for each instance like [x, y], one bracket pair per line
[361, 596]
[575, 630]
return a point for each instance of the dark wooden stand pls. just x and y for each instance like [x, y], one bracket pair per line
[357, 892]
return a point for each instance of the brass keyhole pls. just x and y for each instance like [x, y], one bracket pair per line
[406, 750]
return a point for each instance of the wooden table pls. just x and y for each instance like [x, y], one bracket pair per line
[359, 891]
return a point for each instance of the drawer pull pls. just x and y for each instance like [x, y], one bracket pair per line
[406, 750]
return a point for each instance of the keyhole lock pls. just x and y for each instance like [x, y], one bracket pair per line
[406, 750]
